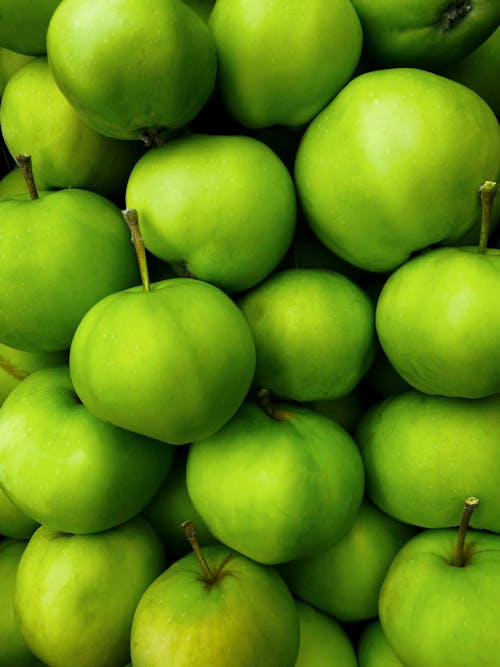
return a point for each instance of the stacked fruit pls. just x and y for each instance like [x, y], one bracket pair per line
[249, 333]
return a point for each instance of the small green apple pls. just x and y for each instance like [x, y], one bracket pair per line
[219, 208]
[223, 609]
[10, 63]
[393, 165]
[373, 649]
[323, 641]
[37, 119]
[344, 580]
[424, 33]
[14, 523]
[280, 63]
[132, 69]
[276, 484]
[314, 333]
[67, 469]
[75, 595]
[24, 24]
[14, 183]
[423, 454]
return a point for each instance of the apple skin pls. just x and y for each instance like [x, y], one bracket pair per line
[206, 203]
[37, 119]
[435, 614]
[424, 33]
[314, 333]
[438, 321]
[276, 489]
[13, 522]
[127, 89]
[373, 648]
[174, 363]
[323, 641]
[13, 184]
[424, 454]
[247, 618]
[344, 580]
[10, 63]
[72, 233]
[201, 7]
[363, 174]
[67, 469]
[24, 25]
[75, 595]
[13, 649]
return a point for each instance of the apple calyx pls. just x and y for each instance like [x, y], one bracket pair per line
[265, 401]
[181, 269]
[132, 220]
[461, 556]
[24, 162]
[487, 193]
[453, 14]
[210, 577]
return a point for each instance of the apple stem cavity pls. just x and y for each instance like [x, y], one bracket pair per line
[453, 14]
[459, 557]
[487, 192]
[24, 162]
[270, 408]
[132, 220]
[190, 531]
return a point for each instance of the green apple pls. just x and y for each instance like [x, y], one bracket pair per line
[67, 469]
[479, 70]
[15, 365]
[172, 360]
[37, 119]
[171, 506]
[10, 63]
[13, 649]
[24, 24]
[280, 63]
[423, 454]
[373, 649]
[323, 641]
[276, 484]
[345, 410]
[201, 7]
[314, 333]
[232, 612]
[394, 164]
[344, 580]
[133, 69]
[424, 33]
[62, 252]
[13, 522]
[220, 208]
[75, 595]
[439, 604]
[14, 183]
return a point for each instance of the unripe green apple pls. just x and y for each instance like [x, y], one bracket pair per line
[10, 63]
[24, 23]
[373, 648]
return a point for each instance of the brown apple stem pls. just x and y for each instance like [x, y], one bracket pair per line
[24, 162]
[470, 505]
[270, 408]
[190, 531]
[132, 219]
[487, 192]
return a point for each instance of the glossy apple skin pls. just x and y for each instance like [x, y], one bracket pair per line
[373, 648]
[248, 618]
[344, 580]
[75, 595]
[131, 67]
[435, 614]
[62, 253]
[37, 119]
[314, 333]
[364, 177]
[67, 469]
[221, 208]
[174, 363]
[24, 25]
[276, 489]
[13, 522]
[438, 321]
[280, 63]
[323, 641]
[424, 33]
[424, 454]
[13, 649]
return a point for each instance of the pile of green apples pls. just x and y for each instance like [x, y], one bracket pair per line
[249, 333]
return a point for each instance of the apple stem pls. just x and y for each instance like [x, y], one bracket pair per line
[132, 220]
[487, 192]
[190, 531]
[470, 505]
[271, 409]
[24, 162]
